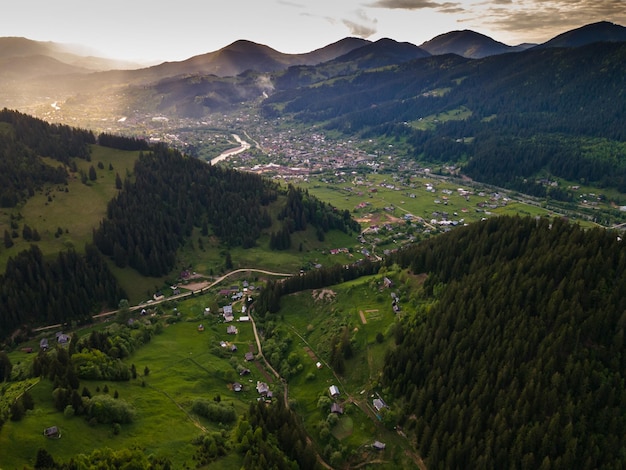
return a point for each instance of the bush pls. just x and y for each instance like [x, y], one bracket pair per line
[106, 409]
[216, 412]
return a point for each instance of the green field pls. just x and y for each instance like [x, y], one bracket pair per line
[75, 209]
[186, 364]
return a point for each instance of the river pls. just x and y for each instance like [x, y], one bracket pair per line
[243, 146]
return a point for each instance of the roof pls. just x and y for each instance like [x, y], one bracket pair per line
[336, 408]
[378, 445]
[52, 431]
[334, 390]
[379, 404]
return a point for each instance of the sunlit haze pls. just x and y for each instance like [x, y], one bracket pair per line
[148, 31]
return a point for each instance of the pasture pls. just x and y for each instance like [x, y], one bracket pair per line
[63, 215]
[183, 364]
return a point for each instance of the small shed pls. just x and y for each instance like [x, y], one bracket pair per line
[334, 391]
[336, 408]
[53, 432]
[237, 387]
[249, 356]
[379, 445]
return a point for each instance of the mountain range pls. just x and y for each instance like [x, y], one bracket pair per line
[23, 59]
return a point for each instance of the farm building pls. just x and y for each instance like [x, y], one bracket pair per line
[336, 408]
[379, 445]
[53, 432]
[334, 391]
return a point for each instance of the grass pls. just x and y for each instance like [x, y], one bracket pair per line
[76, 208]
[183, 365]
[312, 323]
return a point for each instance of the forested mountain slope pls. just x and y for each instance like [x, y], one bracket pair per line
[159, 204]
[510, 116]
[23, 141]
[518, 360]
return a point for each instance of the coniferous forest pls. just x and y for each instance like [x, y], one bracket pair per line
[23, 139]
[71, 287]
[517, 360]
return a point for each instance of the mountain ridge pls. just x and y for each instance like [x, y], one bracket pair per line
[466, 43]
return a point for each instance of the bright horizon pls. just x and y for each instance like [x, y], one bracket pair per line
[148, 32]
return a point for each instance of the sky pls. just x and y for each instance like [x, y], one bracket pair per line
[164, 30]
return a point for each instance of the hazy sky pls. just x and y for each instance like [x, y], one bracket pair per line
[166, 30]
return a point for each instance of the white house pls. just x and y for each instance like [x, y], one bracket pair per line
[334, 391]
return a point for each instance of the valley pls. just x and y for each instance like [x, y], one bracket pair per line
[375, 255]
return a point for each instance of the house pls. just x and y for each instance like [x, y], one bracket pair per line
[244, 318]
[233, 348]
[387, 282]
[228, 313]
[336, 408]
[62, 338]
[262, 388]
[379, 445]
[231, 330]
[43, 344]
[53, 432]
[334, 391]
[244, 372]
[237, 387]
[249, 356]
[379, 404]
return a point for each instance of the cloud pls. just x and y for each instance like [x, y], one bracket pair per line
[360, 30]
[290, 4]
[413, 5]
[362, 26]
[539, 19]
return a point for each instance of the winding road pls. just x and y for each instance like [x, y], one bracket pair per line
[174, 297]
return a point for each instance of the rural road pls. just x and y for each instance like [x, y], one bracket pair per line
[174, 297]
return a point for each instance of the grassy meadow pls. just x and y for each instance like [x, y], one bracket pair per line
[64, 216]
[183, 364]
[311, 319]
